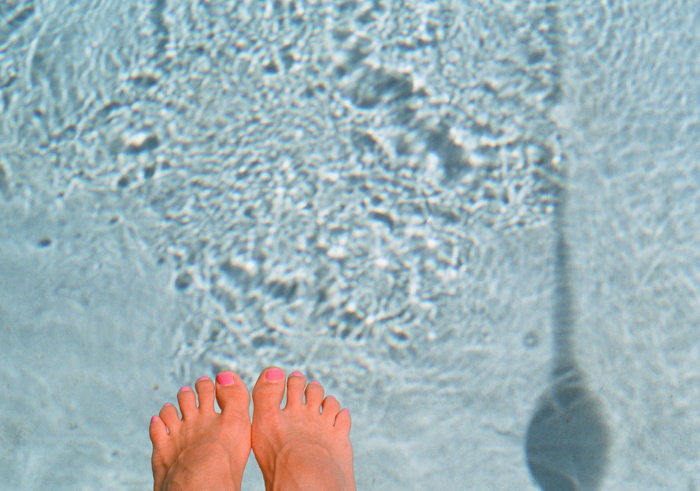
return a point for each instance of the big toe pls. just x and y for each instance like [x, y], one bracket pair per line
[232, 394]
[269, 390]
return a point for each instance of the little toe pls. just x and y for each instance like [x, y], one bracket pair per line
[343, 422]
[295, 389]
[232, 395]
[205, 394]
[188, 402]
[314, 395]
[158, 433]
[330, 407]
[269, 390]
[170, 417]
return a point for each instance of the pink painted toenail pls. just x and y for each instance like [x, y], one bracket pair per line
[154, 419]
[184, 389]
[224, 378]
[274, 375]
[298, 374]
[314, 382]
[346, 411]
[167, 404]
[200, 379]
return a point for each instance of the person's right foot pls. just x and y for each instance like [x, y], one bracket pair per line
[298, 447]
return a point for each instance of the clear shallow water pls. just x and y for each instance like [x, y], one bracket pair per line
[362, 191]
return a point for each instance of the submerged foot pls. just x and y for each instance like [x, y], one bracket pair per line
[204, 450]
[300, 447]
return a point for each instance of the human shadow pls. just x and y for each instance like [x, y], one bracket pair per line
[567, 439]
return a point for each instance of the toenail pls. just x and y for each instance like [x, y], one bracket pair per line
[298, 374]
[167, 404]
[154, 419]
[274, 375]
[314, 382]
[200, 379]
[184, 389]
[224, 378]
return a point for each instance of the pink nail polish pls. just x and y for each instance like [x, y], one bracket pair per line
[298, 374]
[167, 404]
[201, 379]
[184, 389]
[314, 382]
[154, 419]
[346, 411]
[274, 375]
[224, 378]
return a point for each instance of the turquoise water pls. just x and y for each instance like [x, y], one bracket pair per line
[363, 191]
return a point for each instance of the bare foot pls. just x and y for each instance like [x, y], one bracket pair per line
[205, 450]
[298, 447]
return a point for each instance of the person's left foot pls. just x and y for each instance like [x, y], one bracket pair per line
[204, 450]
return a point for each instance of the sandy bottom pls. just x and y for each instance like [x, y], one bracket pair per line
[360, 193]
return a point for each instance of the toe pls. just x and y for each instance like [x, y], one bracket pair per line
[188, 402]
[269, 390]
[170, 417]
[295, 389]
[330, 407]
[343, 422]
[158, 433]
[314, 395]
[205, 394]
[160, 456]
[232, 395]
